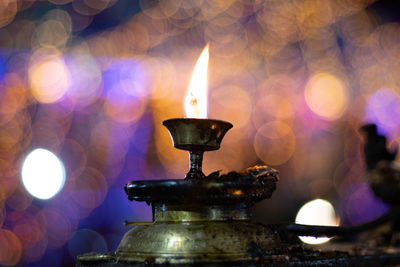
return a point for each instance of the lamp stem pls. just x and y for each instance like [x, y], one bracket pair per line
[196, 162]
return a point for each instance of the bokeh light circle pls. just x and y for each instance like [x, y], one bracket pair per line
[43, 174]
[274, 143]
[51, 33]
[85, 87]
[316, 212]
[383, 109]
[272, 106]
[8, 10]
[86, 241]
[231, 103]
[326, 96]
[49, 77]
[127, 92]
[10, 248]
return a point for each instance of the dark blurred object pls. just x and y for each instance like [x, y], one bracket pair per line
[385, 182]
[383, 175]
[375, 149]
[287, 231]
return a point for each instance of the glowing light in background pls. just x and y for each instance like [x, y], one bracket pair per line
[10, 248]
[326, 96]
[196, 98]
[127, 90]
[316, 212]
[43, 174]
[95, 93]
[383, 108]
[274, 143]
[29, 228]
[233, 104]
[85, 87]
[273, 106]
[2, 67]
[91, 7]
[58, 228]
[8, 10]
[89, 188]
[51, 33]
[130, 76]
[85, 241]
[49, 77]
[360, 205]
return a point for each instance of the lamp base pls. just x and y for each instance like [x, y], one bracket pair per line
[195, 242]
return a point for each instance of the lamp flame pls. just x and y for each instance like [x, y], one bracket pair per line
[196, 98]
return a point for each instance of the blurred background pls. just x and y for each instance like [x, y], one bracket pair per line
[85, 85]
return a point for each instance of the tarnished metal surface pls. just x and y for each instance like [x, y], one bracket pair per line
[196, 233]
[291, 256]
[195, 242]
[250, 186]
[197, 134]
[192, 213]
[200, 221]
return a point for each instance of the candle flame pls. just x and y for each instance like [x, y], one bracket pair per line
[196, 98]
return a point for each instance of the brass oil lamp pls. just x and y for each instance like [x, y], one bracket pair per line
[200, 219]
[206, 220]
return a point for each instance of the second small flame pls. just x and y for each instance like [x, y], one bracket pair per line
[196, 98]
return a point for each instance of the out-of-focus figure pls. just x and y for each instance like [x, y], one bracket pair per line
[383, 174]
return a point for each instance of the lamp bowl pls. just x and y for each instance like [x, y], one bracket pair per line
[197, 134]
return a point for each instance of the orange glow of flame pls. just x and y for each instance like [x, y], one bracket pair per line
[196, 98]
